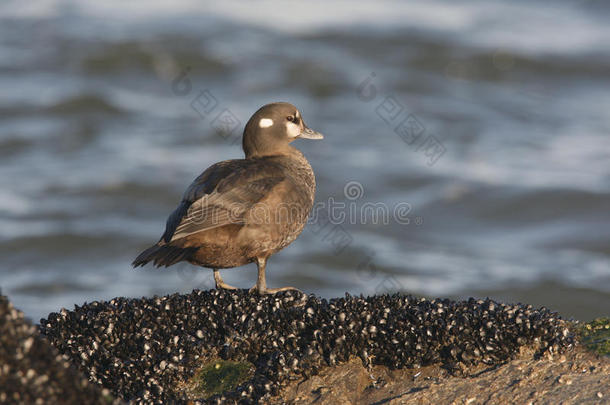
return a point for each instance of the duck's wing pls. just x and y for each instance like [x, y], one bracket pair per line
[221, 196]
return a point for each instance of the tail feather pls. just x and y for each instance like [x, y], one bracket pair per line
[164, 255]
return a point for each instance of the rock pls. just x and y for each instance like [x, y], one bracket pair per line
[150, 349]
[520, 381]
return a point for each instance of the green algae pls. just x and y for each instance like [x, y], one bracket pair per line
[219, 376]
[595, 336]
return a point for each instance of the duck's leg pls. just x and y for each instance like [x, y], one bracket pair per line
[221, 284]
[261, 282]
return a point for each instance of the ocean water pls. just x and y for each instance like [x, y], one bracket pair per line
[467, 147]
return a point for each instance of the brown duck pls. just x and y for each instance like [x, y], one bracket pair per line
[244, 210]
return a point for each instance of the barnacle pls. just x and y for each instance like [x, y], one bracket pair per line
[141, 348]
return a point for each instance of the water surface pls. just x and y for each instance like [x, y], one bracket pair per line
[98, 140]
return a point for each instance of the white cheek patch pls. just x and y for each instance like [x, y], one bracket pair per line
[293, 129]
[265, 122]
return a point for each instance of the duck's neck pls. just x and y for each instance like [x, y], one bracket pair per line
[293, 159]
[283, 150]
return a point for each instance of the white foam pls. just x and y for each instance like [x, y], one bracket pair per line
[14, 204]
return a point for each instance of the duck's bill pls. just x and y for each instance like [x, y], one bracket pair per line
[309, 133]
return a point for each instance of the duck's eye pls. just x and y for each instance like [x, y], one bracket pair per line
[290, 118]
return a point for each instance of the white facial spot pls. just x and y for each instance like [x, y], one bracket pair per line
[293, 129]
[265, 122]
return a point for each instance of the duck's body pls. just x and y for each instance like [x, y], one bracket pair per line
[244, 210]
[236, 211]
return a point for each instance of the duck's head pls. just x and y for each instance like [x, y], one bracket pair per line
[271, 129]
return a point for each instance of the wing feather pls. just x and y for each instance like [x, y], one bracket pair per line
[221, 195]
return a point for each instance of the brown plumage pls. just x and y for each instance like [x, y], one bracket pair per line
[244, 210]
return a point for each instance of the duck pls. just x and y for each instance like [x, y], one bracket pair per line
[244, 210]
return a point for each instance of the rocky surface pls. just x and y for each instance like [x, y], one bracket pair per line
[33, 372]
[575, 377]
[153, 349]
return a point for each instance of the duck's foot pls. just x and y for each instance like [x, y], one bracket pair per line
[261, 282]
[221, 284]
[265, 290]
